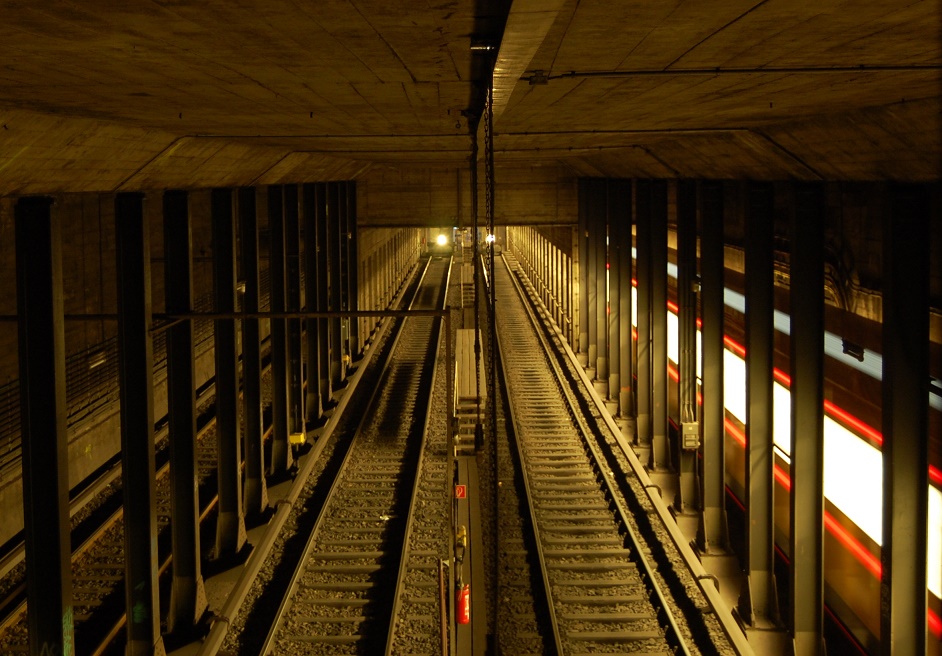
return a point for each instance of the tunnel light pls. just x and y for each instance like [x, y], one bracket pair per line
[489, 239]
[442, 240]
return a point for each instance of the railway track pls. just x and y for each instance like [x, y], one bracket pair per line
[371, 562]
[98, 553]
[600, 595]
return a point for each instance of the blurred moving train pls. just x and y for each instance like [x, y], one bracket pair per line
[853, 466]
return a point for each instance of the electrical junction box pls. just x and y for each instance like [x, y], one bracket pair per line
[690, 435]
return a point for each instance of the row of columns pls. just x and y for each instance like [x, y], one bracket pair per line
[383, 268]
[549, 268]
[634, 375]
[325, 215]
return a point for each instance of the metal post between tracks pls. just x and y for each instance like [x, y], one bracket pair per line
[187, 593]
[230, 521]
[281, 458]
[44, 426]
[255, 491]
[136, 386]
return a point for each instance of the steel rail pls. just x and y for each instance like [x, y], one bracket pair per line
[706, 582]
[336, 488]
[404, 559]
[622, 512]
[222, 620]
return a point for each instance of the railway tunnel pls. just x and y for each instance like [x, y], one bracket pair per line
[728, 214]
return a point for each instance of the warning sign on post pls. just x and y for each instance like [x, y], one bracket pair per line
[461, 491]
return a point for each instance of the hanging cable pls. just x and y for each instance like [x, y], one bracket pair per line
[492, 241]
[472, 130]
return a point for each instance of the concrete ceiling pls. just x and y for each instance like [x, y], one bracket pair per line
[100, 95]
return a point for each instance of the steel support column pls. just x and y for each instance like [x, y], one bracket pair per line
[600, 221]
[758, 602]
[136, 370]
[187, 595]
[625, 389]
[356, 346]
[314, 409]
[905, 420]
[281, 460]
[335, 290]
[323, 288]
[712, 531]
[230, 523]
[550, 269]
[255, 500]
[43, 427]
[644, 382]
[558, 288]
[616, 244]
[582, 269]
[296, 419]
[346, 265]
[592, 209]
[660, 458]
[687, 497]
[806, 279]
[567, 290]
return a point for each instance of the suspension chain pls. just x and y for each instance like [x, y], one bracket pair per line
[491, 231]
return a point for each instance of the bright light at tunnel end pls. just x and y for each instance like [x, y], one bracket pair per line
[441, 240]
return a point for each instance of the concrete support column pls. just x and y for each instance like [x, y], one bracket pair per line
[712, 532]
[660, 458]
[687, 497]
[281, 457]
[187, 595]
[230, 525]
[758, 602]
[807, 419]
[309, 198]
[43, 427]
[135, 375]
[296, 418]
[645, 381]
[905, 420]
[255, 499]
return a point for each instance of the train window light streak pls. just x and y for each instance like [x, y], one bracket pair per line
[872, 364]
[853, 467]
